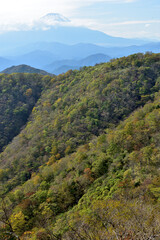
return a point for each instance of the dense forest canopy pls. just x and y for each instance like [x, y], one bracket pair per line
[86, 165]
[18, 95]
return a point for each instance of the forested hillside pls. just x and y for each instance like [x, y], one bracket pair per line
[86, 166]
[18, 95]
[24, 69]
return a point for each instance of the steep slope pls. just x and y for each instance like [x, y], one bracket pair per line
[93, 191]
[18, 95]
[78, 106]
[107, 189]
[24, 69]
[118, 176]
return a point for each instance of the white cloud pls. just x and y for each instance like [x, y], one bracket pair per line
[147, 25]
[147, 22]
[24, 10]
[23, 14]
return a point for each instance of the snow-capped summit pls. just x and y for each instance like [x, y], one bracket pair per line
[53, 18]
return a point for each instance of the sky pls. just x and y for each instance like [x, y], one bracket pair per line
[123, 18]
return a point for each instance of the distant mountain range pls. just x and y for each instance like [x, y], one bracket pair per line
[58, 58]
[58, 67]
[10, 41]
[54, 27]
[36, 58]
[51, 43]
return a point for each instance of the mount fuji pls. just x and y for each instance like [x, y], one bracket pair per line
[54, 27]
[53, 18]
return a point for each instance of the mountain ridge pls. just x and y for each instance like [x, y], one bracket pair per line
[23, 68]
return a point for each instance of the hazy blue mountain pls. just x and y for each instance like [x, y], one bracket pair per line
[58, 67]
[4, 62]
[59, 50]
[154, 47]
[44, 54]
[94, 59]
[24, 69]
[125, 51]
[52, 38]
[37, 58]
[64, 68]
[62, 34]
